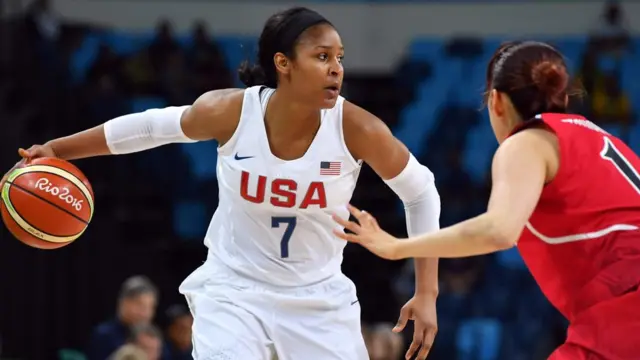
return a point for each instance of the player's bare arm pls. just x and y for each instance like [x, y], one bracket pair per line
[213, 116]
[521, 167]
[369, 139]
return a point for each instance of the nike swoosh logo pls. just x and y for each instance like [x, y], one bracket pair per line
[242, 157]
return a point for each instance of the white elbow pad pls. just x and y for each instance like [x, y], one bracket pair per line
[415, 186]
[146, 130]
[412, 181]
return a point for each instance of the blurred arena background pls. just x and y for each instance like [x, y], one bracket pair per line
[66, 65]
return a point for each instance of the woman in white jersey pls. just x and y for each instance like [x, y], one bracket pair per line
[290, 152]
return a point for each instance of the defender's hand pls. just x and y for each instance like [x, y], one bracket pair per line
[368, 234]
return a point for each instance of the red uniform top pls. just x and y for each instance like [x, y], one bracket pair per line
[582, 242]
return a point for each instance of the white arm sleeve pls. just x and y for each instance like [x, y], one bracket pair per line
[146, 130]
[415, 186]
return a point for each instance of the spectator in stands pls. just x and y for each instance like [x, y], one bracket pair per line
[148, 338]
[140, 75]
[41, 20]
[611, 34]
[588, 73]
[162, 46]
[129, 352]
[144, 69]
[105, 101]
[104, 87]
[107, 63]
[178, 333]
[136, 306]
[609, 102]
[175, 80]
[207, 62]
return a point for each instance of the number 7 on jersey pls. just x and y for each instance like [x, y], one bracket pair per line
[276, 221]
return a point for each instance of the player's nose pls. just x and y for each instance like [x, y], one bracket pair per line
[335, 69]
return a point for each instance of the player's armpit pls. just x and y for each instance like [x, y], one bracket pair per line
[519, 171]
[213, 116]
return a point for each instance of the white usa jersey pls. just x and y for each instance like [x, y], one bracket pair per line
[273, 221]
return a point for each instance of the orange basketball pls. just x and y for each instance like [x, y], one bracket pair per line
[46, 203]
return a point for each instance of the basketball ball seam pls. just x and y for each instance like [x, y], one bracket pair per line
[61, 177]
[86, 190]
[15, 216]
[17, 235]
[30, 224]
[50, 203]
[86, 196]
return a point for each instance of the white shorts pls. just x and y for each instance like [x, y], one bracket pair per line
[236, 318]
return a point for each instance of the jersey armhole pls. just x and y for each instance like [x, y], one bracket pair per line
[227, 147]
[355, 162]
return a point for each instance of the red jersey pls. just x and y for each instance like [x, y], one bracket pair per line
[582, 242]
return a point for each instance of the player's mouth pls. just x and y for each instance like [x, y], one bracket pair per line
[332, 91]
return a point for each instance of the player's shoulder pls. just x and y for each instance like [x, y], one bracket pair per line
[535, 141]
[215, 114]
[359, 122]
[219, 101]
[361, 129]
[531, 136]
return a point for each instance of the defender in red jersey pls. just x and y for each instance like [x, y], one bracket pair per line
[564, 191]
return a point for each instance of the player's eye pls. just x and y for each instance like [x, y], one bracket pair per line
[323, 56]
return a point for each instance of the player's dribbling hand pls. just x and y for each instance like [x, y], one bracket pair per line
[367, 233]
[34, 152]
[422, 310]
[37, 151]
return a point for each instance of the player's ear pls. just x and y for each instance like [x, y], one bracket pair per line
[281, 63]
[496, 102]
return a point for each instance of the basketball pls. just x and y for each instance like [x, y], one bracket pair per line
[46, 203]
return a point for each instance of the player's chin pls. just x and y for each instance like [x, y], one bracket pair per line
[328, 103]
[330, 97]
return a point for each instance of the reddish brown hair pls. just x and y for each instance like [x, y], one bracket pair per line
[533, 74]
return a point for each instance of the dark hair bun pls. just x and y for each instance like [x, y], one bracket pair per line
[550, 78]
[251, 75]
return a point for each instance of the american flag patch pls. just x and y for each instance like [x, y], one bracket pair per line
[330, 167]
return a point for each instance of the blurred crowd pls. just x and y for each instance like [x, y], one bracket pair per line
[489, 307]
[131, 334]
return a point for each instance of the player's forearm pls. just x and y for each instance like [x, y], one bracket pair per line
[125, 134]
[426, 276]
[422, 211]
[477, 236]
[88, 143]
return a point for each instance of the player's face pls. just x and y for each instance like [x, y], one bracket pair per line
[317, 72]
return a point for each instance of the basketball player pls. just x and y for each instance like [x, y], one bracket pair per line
[290, 151]
[565, 192]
